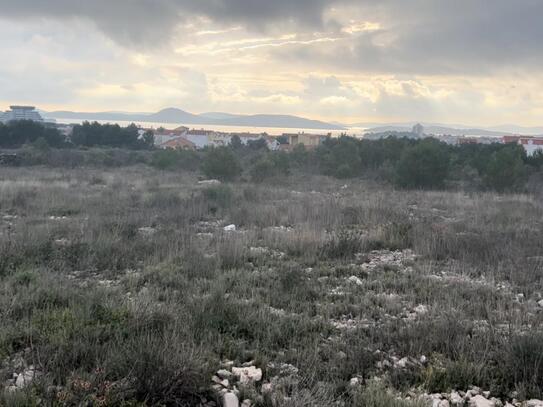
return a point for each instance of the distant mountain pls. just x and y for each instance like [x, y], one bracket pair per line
[512, 128]
[268, 120]
[453, 129]
[218, 115]
[179, 117]
[442, 130]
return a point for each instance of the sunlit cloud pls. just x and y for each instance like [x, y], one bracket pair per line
[341, 60]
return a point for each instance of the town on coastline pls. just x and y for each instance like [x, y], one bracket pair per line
[194, 139]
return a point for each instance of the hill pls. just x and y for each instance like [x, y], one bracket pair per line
[178, 116]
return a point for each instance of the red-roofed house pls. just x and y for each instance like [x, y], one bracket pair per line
[180, 143]
[532, 144]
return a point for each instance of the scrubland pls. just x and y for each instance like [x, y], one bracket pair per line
[121, 287]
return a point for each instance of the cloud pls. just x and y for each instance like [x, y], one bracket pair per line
[152, 22]
[438, 38]
[417, 36]
[328, 59]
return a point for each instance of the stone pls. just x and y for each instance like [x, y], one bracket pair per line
[402, 363]
[247, 374]
[227, 363]
[355, 381]
[355, 280]
[210, 182]
[224, 374]
[230, 400]
[25, 378]
[62, 242]
[147, 231]
[534, 403]
[480, 401]
[456, 399]
[444, 403]
[230, 228]
[267, 388]
[421, 309]
[246, 403]
[540, 303]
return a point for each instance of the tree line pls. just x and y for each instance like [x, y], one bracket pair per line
[15, 134]
[402, 161]
[405, 162]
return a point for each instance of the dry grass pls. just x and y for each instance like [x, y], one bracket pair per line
[121, 286]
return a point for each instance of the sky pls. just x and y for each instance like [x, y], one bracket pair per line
[352, 61]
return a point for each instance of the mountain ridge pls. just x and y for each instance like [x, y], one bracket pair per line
[180, 117]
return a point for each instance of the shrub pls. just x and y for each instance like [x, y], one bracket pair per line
[345, 244]
[222, 164]
[175, 159]
[270, 166]
[221, 196]
[521, 364]
[161, 370]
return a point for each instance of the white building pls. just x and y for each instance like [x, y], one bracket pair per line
[532, 145]
[21, 113]
[200, 138]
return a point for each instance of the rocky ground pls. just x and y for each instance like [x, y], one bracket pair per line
[125, 287]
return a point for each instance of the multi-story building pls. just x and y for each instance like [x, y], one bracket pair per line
[530, 144]
[21, 113]
[308, 140]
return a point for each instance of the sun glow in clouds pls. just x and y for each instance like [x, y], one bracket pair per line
[390, 60]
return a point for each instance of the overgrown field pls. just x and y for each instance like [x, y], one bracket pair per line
[121, 287]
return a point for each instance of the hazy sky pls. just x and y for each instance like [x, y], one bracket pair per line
[469, 61]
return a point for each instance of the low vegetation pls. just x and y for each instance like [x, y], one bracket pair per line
[131, 285]
[403, 162]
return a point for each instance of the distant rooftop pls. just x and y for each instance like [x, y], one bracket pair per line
[18, 112]
[16, 107]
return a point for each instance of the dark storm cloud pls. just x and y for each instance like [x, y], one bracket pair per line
[439, 36]
[416, 36]
[149, 21]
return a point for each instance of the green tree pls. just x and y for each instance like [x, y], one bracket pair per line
[16, 133]
[505, 169]
[148, 139]
[221, 163]
[424, 165]
[235, 142]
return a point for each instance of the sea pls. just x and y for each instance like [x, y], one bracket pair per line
[273, 131]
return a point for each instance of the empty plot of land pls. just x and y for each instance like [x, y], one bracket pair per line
[138, 286]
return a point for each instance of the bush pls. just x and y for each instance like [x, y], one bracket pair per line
[175, 159]
[343, 245]
[161, 370]
[522, 364]
[270, 166]
[221, 163]
[221, 196]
